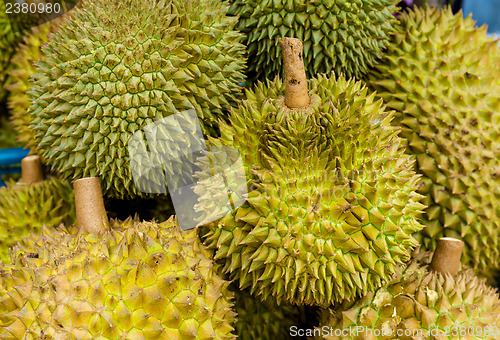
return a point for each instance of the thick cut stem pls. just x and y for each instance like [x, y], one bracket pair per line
[31, 170]
[91, 214]
[296, 95]
[446, 258]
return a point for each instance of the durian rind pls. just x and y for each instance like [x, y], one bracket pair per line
[117, 66]
[332, 199]
[420, 303]
[25, 209]
[346, 37]
[27, 54]
[139, 280]
[442, 76]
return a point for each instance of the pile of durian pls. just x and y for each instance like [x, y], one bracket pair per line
[370, 143]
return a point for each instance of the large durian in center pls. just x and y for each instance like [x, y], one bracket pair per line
[118, 65]
[332, 199]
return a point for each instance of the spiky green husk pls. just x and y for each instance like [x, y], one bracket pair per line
[419, 300]
[117, 66]
[25, 209]
[12, 28]
[332, 202]
[346, 37]
[442, 76]
[27, 54]
[264, 320]
[139, 280]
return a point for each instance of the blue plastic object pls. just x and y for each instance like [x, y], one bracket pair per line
[12, 156]
[9, 158]
[484, 12]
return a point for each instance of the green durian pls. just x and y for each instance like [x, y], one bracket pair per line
[442, 76]
[332, 200]
[27, 54]
[138, 280]
[418, 303]
[346, 37]
[116, 66]
[25, 208]
[264, 320]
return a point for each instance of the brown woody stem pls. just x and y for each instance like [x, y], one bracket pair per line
[446, 258]
[31, 170]
[296, 95]
[91, 214]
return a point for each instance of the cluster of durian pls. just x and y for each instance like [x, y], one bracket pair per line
[373, 134]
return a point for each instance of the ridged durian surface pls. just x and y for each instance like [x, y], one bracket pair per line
[25, 209]
[346, 36]
[117, 66]
[139, 280]
[27, 54]
[421, 303]
[8, 42]
[442, 76]
[332, 202]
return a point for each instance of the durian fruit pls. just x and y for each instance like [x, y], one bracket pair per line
[332, 199]
[116, 66]
[346, 37]
[418, 303]
[12, 28]
[26, 208]
[8, 41]
[134, 280]
[442, 76]
[264, 320]
[27, 54]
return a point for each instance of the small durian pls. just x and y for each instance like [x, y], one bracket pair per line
[116, 66]
[442, 76]
[420, 302]
[332, 200]
[118, 280]
[27, 206]
[346, 37]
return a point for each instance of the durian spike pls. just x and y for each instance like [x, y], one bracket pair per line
[296, 95]
[91, 214]
[446, 258]
[31, 170]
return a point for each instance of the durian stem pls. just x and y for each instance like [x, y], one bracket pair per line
[446, 258]
[91, 214]
[31, 170]
[296, 95]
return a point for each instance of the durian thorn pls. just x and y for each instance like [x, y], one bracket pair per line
[446, 258]
[91, 214]
[31, 170]
[296, 95]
